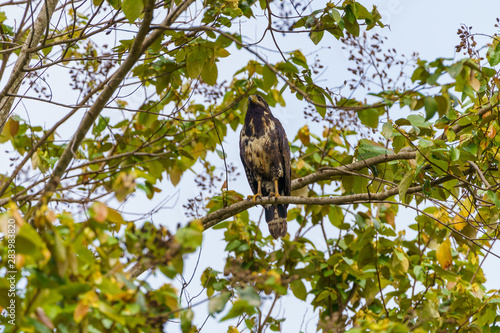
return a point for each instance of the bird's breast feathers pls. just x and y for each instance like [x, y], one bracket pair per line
[259, 144]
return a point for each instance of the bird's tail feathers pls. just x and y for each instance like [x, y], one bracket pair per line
[275, 220]
[270, 212]
[282, 211]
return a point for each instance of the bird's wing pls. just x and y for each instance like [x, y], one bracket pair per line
[250, 176]
[285, 155]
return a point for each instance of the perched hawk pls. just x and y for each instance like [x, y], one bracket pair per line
[265, 155]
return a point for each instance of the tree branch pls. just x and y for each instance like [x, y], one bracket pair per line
[325, 174]
[140, 45]
[292, 86]
[16, 77]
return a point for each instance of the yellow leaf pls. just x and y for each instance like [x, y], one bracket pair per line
[43, 318]
[468, 206]
[36, 162]
[275, 275]
[474, 83]
[82, 308]
[222, 53]
[390, 217]
[476, 291]
[51, 216]
[400, 263]
[491, 132]
[232, 329]
[443, 254]
[336, 138]
[175, 176]
[124, 185]
[13, 127]
[458, 222]
[115, 217]
[198, 149]
[300, 164]
[442, 215]
[20, 259]
[304, 134]
[100, 211]
[197, 225]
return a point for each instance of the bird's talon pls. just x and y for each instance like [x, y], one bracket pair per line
[254, 197]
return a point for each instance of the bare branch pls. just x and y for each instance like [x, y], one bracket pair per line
[292, 86]
[480, 173]
[140, 45]
[23, 59]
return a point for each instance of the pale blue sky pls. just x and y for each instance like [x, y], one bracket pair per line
[427, 27]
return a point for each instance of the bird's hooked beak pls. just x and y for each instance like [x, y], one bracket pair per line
[254, 99]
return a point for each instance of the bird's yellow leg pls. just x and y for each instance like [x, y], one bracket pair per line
[259, 191]
[276, 191]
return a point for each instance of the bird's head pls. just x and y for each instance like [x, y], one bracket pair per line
[259, 101]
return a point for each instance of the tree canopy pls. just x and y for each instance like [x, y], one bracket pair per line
[144, 97]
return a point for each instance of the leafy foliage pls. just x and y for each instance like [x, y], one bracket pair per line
[79, 253]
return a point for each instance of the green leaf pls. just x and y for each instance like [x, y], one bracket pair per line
[361, 12]
[335, 15]
[336, 216]
[443, 104]
[299, 59]
[217, 304]
[454, 154]
[115, 4]
[352, 28]
[494, 197]
[349, 13]
[286, 67]
[320, 99]
[404, 185]
[387, 130]
[418, 121]
[221, 154]
[493, 54]
[316, 36]
[234, 244]
[369, 117]
[75, 289]
[59, 248]
[360, 221]
[195, 61]
[400, 263]
[488, 71]
[431, 107]
[187, 320]
[190, 237]
[222, 42]
[110, 312]
[132, 9]
[368, 149]
[455, 69]
[269, 78]
[239, 307]
[247, 293]
[299, 289]
[28, 241]
[210, 73]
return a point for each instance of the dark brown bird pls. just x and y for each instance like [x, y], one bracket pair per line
[265, 154]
